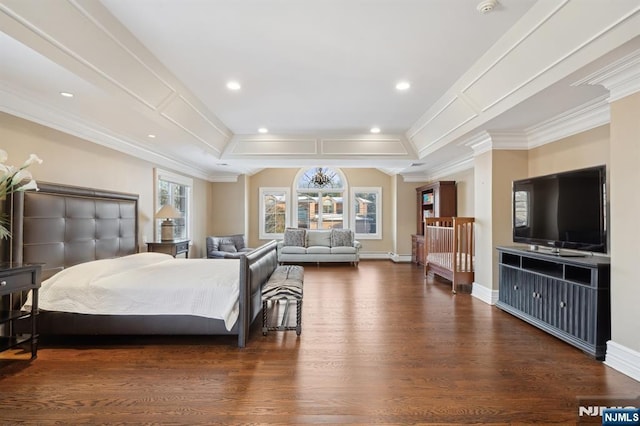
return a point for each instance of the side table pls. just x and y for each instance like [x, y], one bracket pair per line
[173, 248]
[16, 281]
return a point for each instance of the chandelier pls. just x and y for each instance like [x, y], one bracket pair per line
[320, 179]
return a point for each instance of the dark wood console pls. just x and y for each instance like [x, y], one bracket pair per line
[568, 297]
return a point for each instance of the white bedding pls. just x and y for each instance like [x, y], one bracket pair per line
[147, 284]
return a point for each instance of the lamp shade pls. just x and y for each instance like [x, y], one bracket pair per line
[168, 212]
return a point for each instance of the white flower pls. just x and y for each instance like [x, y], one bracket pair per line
[31, 160]
[14, 180]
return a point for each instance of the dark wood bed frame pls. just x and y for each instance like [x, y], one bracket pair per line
[60, 226]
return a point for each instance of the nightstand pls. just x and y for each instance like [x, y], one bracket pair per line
[16, 281]
[173, 248]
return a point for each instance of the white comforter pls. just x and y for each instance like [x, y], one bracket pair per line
[147, 284]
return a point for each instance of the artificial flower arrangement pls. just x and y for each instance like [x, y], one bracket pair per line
[13, 179]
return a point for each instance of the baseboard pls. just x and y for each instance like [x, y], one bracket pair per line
[400, 258]
[481, 292]
[623, 359]
[374, 255]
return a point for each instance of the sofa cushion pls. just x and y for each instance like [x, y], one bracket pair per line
[319, 238]
[341, 238]
[294, 237]
[229, 248]
[318, 250]
[343, 250]
[293, 250]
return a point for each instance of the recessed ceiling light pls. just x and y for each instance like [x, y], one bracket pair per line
[233, 85]
[151, 136]
[263, 130]
[375, 130]
[66, 94]
[403, 85]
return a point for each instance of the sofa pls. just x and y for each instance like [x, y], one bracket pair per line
[226, 247]
[318, 245]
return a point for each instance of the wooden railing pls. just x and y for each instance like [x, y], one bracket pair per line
[449, 248]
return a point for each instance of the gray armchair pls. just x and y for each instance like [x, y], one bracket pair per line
[226, 247]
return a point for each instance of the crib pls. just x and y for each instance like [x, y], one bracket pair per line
[449, 250]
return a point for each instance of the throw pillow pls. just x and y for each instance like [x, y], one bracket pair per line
[341, 238]
[294, 237]
[237, 240]
[229, 248]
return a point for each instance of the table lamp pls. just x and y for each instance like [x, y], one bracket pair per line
[168, 213]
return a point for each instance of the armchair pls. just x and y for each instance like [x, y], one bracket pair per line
[226, 247]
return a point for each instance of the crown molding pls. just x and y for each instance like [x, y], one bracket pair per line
[510, 73]
[456, 166]
[512, 140]
[621, 78]
[580, 119]
[480, 143]
[23, 106]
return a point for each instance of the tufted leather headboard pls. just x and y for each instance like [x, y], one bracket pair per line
[60, 226]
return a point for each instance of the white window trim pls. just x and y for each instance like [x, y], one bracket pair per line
[287, 213]
[160, 174]
[378, 191]
[344, 190]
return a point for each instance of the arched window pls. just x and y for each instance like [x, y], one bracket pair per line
[320, 194]
[321, 200]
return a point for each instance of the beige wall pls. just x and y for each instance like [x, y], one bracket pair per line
[74, 161]
[227, 210]
[507, 167]
[624, 178]
[465, 192]
[590, 148]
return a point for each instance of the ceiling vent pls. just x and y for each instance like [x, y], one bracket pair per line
[486, 6]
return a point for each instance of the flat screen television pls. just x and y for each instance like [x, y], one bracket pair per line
[562, 210]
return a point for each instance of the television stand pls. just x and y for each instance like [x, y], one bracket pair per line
[564, 254]
[566, 297]
[555, 252]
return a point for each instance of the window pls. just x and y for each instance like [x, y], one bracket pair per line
[274, 208]
[521, 209]
[175, 190]
[320, 199]
[367, 212]
[321, 202]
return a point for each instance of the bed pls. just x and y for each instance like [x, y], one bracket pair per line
[449, 250]
[61, 226]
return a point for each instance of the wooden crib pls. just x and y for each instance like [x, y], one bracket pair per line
[449, 250]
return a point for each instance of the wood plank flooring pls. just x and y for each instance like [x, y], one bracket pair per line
[379, 344]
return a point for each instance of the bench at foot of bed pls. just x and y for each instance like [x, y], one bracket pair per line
[284, 285]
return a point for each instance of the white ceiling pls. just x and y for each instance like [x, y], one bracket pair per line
[317, 73]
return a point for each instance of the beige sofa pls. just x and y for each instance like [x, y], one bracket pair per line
[318, 245]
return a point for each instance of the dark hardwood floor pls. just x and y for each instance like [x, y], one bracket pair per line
[379, 344]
